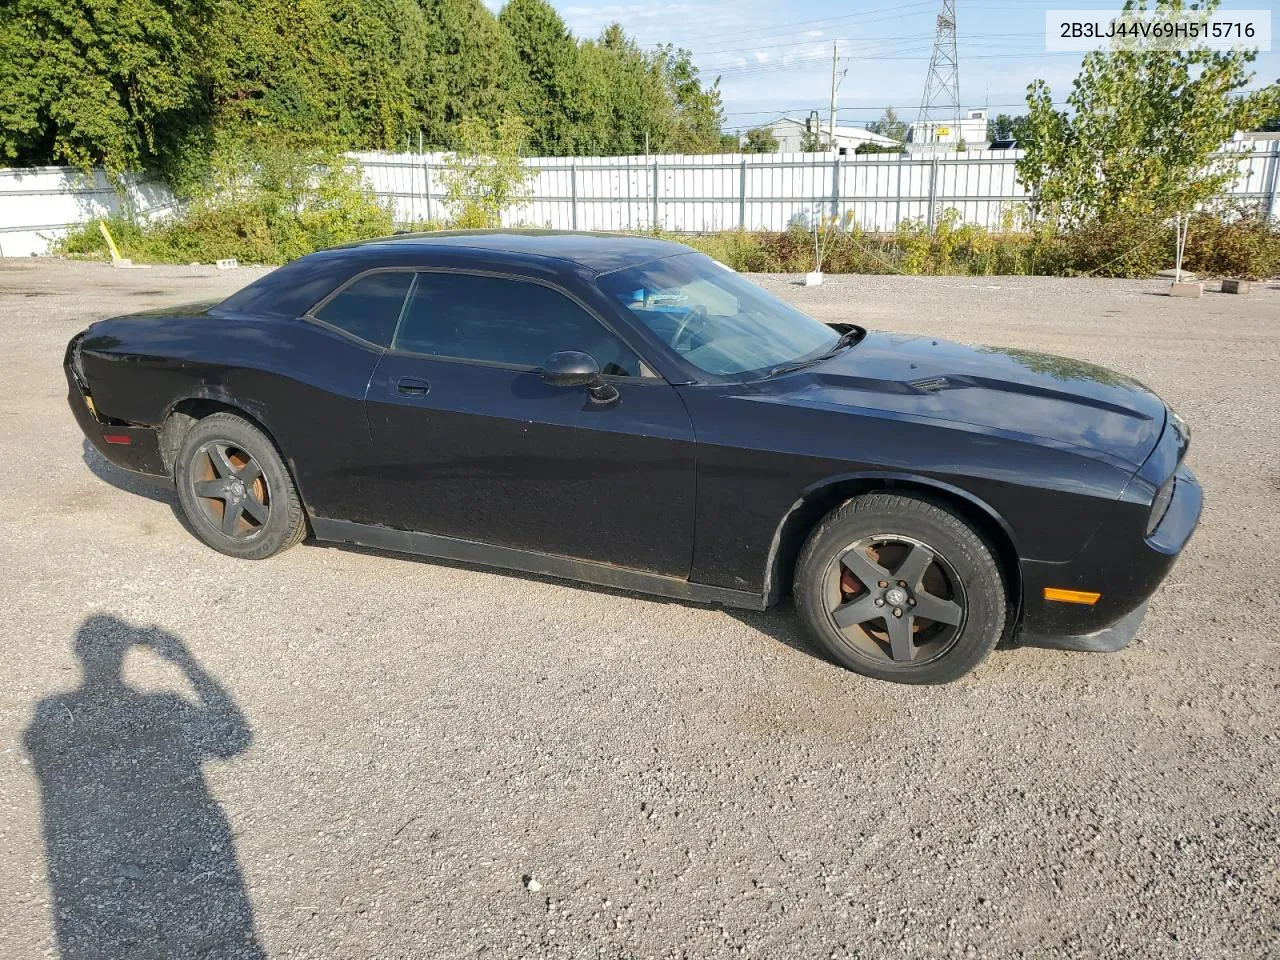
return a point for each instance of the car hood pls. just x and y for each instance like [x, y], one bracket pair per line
[1051, 399]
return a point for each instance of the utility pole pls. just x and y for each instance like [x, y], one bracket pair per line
[831, 131]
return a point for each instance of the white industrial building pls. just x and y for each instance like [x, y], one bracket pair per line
[931, 136]
[791, 134]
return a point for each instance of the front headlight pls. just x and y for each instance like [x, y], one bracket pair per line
[1183, 429]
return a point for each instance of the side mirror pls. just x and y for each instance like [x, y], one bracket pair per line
[573, 368]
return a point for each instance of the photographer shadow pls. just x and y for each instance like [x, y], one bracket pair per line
[140, 856]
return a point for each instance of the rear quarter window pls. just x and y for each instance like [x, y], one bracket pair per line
[368, 307]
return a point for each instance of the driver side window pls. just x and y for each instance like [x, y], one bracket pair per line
[501, 320]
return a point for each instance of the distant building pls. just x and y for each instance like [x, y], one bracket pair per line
[791, 134]
[939, 135]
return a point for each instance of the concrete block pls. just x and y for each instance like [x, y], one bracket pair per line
[1185, 289]
[1235, 286]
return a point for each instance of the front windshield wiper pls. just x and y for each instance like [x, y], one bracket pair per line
[847, 339]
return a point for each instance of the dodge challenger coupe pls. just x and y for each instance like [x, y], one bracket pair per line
[627, 412]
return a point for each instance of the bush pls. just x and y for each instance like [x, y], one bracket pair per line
[1238, 244]
[258, 209]
[1244, 244]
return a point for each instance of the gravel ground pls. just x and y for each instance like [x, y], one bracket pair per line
[339, 753]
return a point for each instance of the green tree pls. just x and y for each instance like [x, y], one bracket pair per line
[548, 52]
[338, 73]
[118, 83]
[889, 126]
[471, 70]
[1142, 129]
[631, 105]
[699, 113]
[812, 141]
[485, 175]
[1004, 126]
[760, 140]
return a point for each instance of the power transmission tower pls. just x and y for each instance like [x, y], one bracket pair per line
[941, 100]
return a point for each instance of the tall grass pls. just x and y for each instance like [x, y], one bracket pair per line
[294, 213]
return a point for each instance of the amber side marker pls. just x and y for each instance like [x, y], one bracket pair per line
[1071, 596]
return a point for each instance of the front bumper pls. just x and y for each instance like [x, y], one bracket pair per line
[1126, 571]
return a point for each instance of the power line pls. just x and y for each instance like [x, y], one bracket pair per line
[875, 110]
[860, 42]
[894, 11]
[810, 61]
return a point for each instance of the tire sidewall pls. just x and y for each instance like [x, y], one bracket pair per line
[972, 560]
[240, 433]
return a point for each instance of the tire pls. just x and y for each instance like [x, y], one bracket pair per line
[224, 464]
[948, 571]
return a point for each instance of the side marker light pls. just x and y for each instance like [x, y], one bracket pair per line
[1071, 596]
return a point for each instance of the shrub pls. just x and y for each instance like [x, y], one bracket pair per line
[485, 175]
[1244, 244]
[1239, 244]
[258, 209]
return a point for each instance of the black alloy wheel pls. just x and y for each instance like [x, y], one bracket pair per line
[231, 489]
[895, 599]
[234, 489]
[900, 588]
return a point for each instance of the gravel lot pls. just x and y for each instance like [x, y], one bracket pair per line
[380, 757]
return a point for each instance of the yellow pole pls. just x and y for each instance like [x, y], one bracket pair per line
[111, 244]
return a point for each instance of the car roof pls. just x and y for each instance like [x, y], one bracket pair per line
[598, 252]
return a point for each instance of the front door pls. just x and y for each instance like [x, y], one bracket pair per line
[475, 445]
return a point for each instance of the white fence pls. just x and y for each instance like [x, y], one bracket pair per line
[38, 205]
[682, 193]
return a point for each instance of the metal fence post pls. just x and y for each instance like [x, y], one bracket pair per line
[426, 174]
[573, 193]
[933, 189]
[653, 221]
[1273, 163]
[835, 187]
[897, 201]
[742, 195]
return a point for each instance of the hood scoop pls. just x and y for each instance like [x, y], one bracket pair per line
[930, 384]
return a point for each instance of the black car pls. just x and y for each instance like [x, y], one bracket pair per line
[624, 411]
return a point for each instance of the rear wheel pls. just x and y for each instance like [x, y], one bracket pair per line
[900, 589]
[235, 491]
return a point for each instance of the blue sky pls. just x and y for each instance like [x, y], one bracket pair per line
[775, 55]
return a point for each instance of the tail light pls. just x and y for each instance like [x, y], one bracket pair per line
[1160, 505]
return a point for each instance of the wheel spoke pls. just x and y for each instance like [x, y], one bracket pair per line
[231, 517]
[217, 453]
[860, 565]
[937, 609]
[211, 489]
[856, 611]
[900, 640]
[254, 508]
[913, 567]
[250, 472]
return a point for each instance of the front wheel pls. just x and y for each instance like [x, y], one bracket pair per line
[901, 589]
[234, 489]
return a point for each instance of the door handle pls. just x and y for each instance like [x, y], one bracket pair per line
[413, 387]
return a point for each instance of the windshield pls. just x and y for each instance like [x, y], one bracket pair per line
[714, 319]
